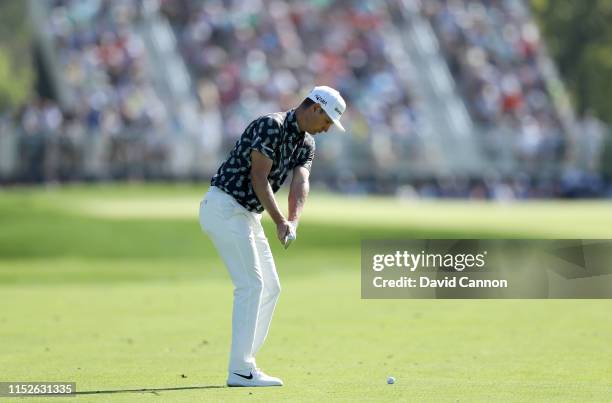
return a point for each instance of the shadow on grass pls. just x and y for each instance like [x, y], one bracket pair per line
[147, 390]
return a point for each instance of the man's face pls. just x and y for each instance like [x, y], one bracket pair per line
[318, 120]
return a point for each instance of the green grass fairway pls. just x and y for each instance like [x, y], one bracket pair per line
[115, 288]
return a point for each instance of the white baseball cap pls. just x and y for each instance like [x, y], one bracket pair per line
[331, 101]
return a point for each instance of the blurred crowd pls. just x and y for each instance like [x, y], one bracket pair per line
[254, 57]
[49, 143]
[571, 184]
[112, 117]
[251, 58]
[104, 64]
[57, 145]
[494, 51]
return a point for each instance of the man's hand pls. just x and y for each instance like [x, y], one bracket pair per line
[291, 235]
[283, 229]
[293, 229]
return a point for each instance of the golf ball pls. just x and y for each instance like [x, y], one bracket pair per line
[390, 380]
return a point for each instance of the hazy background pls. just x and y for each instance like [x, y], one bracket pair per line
[447, 98]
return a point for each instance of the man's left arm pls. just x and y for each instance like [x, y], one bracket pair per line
[298, 192]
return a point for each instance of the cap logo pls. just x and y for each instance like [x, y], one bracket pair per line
[338, 111]
[321, 100]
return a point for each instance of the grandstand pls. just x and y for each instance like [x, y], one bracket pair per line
[446, 97]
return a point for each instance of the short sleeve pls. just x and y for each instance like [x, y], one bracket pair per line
[306, 153]
[266, 136]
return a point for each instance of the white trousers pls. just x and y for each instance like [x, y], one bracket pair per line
[240, 240]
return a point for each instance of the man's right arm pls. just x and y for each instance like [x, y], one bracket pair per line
[260, 169]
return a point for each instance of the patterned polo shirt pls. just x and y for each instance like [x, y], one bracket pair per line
[277, 136]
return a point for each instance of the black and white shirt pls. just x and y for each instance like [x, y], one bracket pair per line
[277, 136]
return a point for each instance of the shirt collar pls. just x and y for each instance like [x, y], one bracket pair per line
[291, 124]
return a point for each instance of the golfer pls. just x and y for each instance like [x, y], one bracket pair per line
[230, 213]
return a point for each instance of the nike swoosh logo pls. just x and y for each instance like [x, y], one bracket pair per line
[244, 376]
